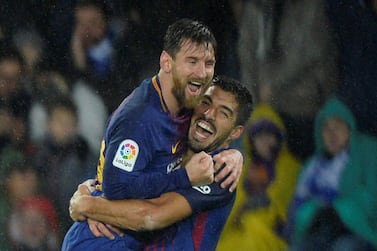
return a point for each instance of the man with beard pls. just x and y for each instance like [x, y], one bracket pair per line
[146, 135]
[217, 120]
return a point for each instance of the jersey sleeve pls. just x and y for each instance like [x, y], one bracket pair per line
[203, 198]
[127, 173]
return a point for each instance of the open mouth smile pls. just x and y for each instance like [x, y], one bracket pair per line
[204, 129]
[194, 88]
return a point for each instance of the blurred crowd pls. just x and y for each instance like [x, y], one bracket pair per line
[310, 175]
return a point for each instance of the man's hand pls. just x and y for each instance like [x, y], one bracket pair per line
[232, 161]
[100, 229]
[200, 169]
[75, 203]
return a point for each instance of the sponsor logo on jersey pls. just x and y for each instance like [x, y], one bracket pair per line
[175, 147]
[174, 165]
[126, 155]
[203, 189]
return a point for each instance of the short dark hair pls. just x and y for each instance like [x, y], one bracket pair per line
[101, 5]
[9, 52]
[187, 29]
[64, 102]
[12, 160]
[240, 92]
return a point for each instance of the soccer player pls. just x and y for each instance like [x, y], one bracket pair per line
[218, 119]
[146, 135]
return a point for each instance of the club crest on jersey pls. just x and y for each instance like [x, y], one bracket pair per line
[126, 155]
[203, 189]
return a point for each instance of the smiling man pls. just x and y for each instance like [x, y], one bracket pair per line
[147, 134]
[217, 120]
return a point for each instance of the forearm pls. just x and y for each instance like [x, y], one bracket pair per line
[132, 185]
[137, 215]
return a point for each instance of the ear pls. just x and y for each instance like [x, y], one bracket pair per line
[237, 132]
[165, 62]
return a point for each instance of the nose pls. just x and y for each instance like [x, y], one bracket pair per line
[210, 113]
[200, 71]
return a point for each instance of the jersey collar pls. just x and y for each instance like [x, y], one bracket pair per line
[157, 87]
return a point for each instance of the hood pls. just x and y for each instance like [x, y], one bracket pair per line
[333, 108]
[263, 117]
[263, 113]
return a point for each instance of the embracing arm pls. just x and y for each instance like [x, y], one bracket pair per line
[137, 215]
[228, 168]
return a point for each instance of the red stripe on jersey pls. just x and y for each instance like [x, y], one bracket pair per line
[199, 227]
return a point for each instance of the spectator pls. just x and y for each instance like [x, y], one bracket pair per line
[334, 206]
[14, 92]
[33, 225]
[19, 181]
[97, 55]
[15, 100]
[63, 158]
[267, 186]
[30, 45]
[289, 58]
[92, 45]
[50, 85]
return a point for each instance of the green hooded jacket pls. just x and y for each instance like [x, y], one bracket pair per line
[356, 204]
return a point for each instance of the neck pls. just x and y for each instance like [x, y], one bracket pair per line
[167, 93]
[186, 157]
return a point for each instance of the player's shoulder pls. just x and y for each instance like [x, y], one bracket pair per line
[137, 101]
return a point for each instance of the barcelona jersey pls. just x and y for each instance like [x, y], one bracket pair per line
[211, 206]
[142, 144]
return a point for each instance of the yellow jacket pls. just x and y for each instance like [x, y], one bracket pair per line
[257, 230]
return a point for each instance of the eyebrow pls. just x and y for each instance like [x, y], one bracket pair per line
[222, 106]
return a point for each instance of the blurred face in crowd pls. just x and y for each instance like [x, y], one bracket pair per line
[265, 144]
[213, 122]
[21, 184]
[35, 227]
[62, 125]
[336, 135]
[90, 25]
[192, 70]
[10, 75]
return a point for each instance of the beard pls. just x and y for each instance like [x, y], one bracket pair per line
[179, 90]
[179, 93]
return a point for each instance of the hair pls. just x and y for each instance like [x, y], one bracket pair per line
[187, 29]
[99, 4]
[13, 160]
[241, 94]
[9, 52]
[64, 102]
[28, 36]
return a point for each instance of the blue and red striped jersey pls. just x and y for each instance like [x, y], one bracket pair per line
[211, 206]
